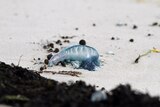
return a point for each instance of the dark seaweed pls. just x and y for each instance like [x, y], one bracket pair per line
[20, 87]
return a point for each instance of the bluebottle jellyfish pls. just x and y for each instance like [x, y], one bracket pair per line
[80, 56]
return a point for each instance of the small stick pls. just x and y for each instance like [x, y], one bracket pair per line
[137, 59]
[19, 60]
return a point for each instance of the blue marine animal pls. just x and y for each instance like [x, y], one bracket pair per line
[80, 56]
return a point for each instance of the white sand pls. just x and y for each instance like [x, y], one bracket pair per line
[25, 21]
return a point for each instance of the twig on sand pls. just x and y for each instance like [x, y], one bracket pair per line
[19, 60]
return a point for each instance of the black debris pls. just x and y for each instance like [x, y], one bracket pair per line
[48, 46]
[76, 29]
[56, 50]
[112, 38]
[131, 40]
[94, 24]
[82, 42]
[44, 47]
[51, 45]
[135, 26]
[66, 41]
[49, 56]
[63, 37]
[154, 23]
[67, 37]
[58, 42]
[41, 69]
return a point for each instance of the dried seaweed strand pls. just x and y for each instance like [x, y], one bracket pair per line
[71, 73]
[154, 50]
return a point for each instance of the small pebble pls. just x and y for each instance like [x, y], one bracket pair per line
[131, 40]
[94, 24]
[154, 24]
[149, 34]
[63, 37]
[51, 45]
[76, 29]
[112, 38]
[135, 27]
[58, 41]
[39, 58]
[56, 50]
[44, 47]
[82, 42]
[46, 61]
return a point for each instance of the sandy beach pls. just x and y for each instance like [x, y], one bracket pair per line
[26, 24]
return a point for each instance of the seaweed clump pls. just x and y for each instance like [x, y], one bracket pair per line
[20, 87]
